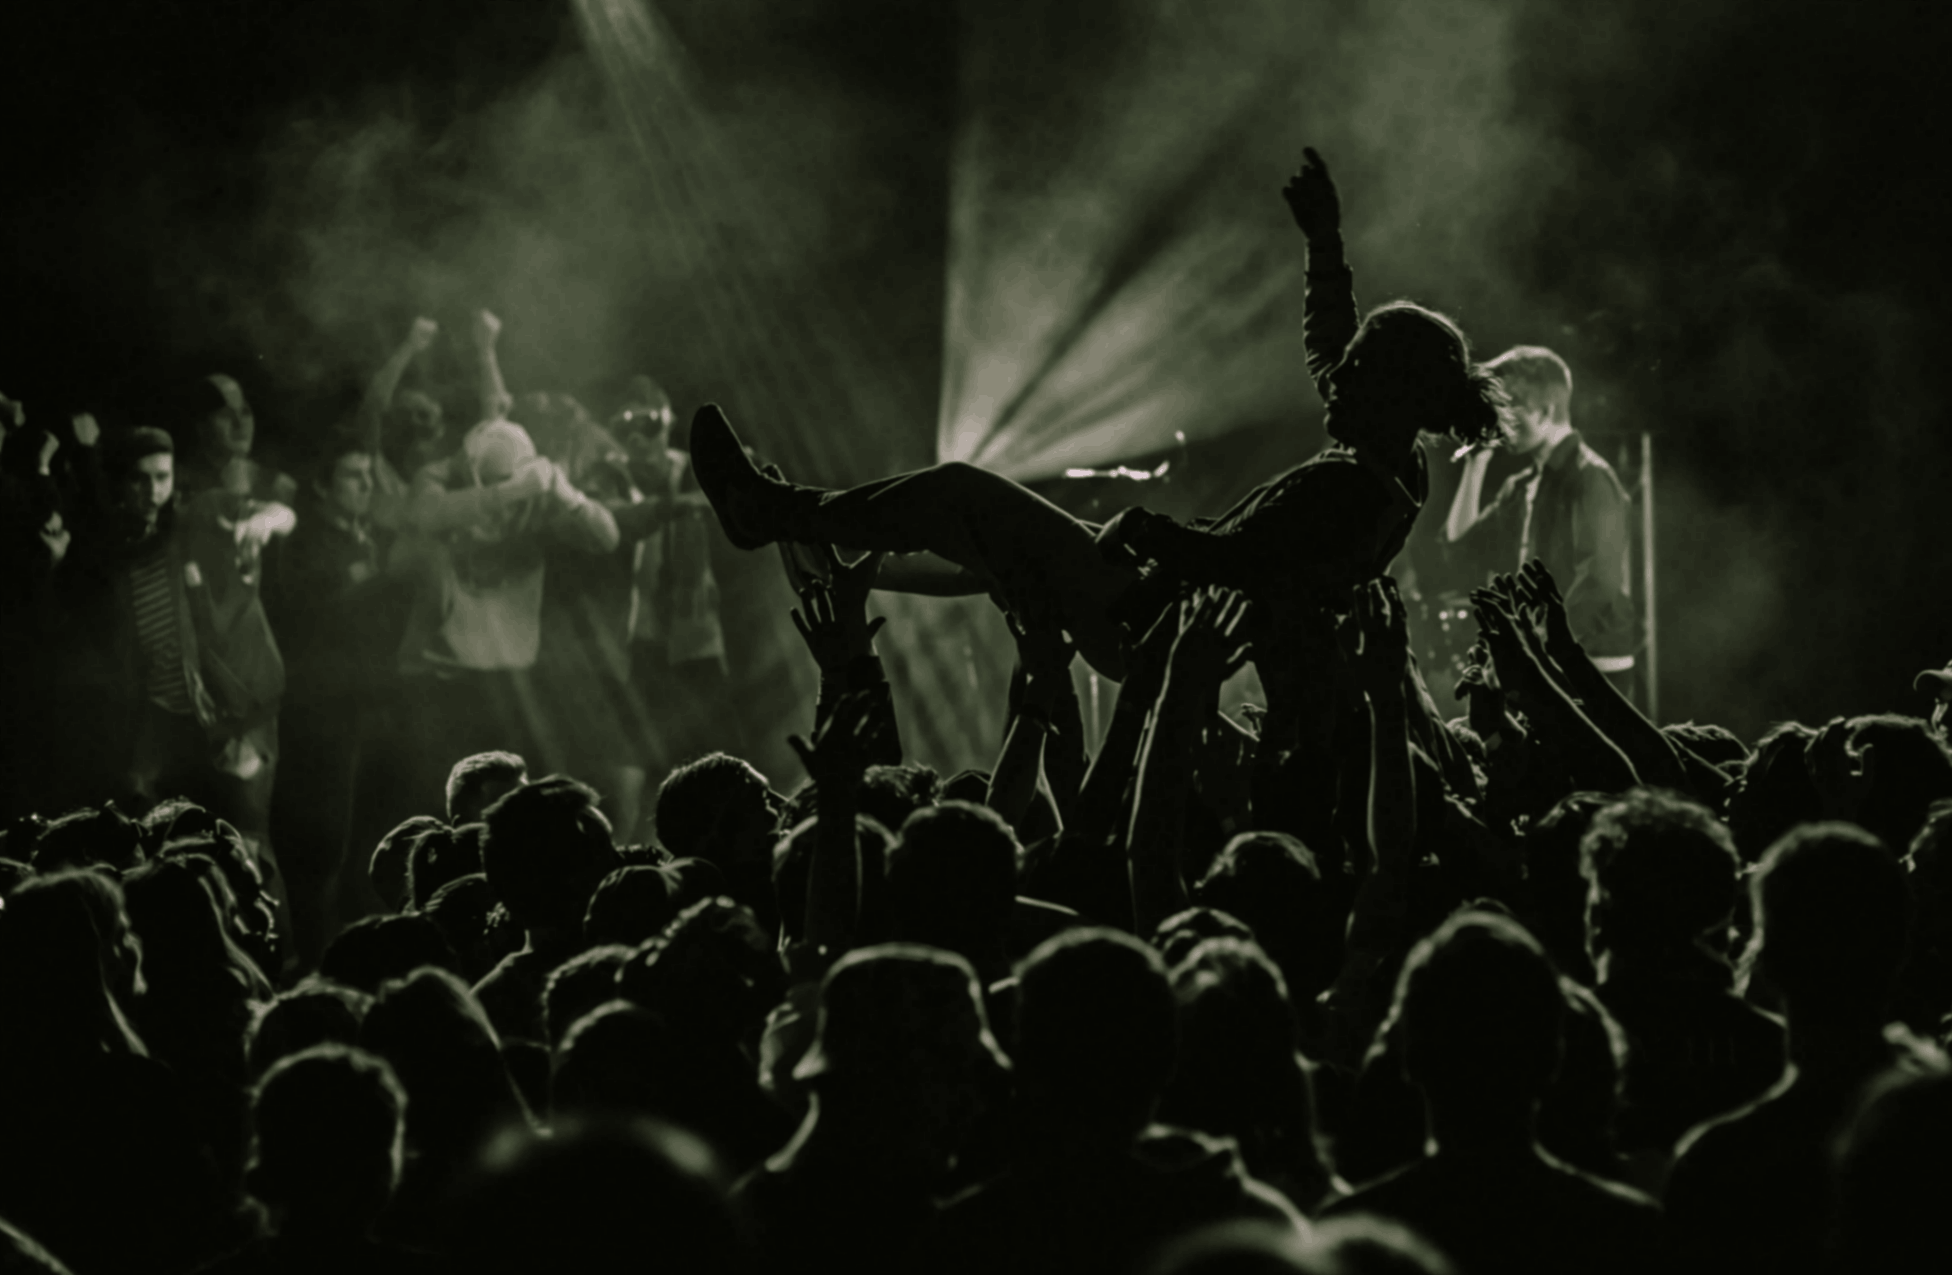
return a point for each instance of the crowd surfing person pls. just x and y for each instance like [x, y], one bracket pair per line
[1603, 997]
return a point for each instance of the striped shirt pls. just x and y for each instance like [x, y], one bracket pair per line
[157, 635]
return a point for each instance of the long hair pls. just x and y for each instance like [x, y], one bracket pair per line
[1463, 399]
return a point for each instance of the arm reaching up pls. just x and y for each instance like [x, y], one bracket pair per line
[835, 760]
[1329, 316]
[832, 620]
[1018, 779]
[495, 398]
[379, 391]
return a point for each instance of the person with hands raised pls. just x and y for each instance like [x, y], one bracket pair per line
[1019, 778]
[404, 431]
[836, 759]
[832, 620]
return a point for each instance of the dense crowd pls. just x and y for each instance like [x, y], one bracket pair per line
[1338, 984]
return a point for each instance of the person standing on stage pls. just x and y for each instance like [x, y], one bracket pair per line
[1566, 508]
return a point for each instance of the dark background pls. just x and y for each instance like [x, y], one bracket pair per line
[1726, 215]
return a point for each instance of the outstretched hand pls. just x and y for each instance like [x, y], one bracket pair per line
[1212, 641]
[424, 330]
[1536, 588]
[841, 745]
[832, 616]
[1044, 650]
[1312, 198]
[1374, 638]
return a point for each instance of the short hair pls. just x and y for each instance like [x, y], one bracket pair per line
[474, 773]
[1775, 792]
[459, 910]
[1272, 882]
[1481, 1010]
[1831, 915]
[546, 849]
[579, 985]
[1665, 867]
[86, 836]
[1466, 400]
[316, 1012]
[327, 1122]
[1534, 377]
[437, 856]
[630, 905]
[953, 869]
[1913, 769]
[123, 448]
[1097, 1028]
[706, 972]
[333, 446]
[1181, 932]
[693, 799]
[892, 793]
[388, 866]
[375, 949]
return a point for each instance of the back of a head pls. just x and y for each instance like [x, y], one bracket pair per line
[86, 836]
[316, 1012]
[1480, 1010]
[579, 985]
[890, 794]
[432, 1030]
[546, 848]
[54, 1001]
[898, 1014]
[327, 1128]
[438, 856]
[1181, 932]
[1913, 769]
[619, 1058]
[1424, 349]
[952, 875]
[793, 860]
[1832, 911]
[477, 782]
[374, 949]
[630, 905]
[388, 867]
[694, 798]
[459, 910]
[176, 916]
[1238, 1070]
[1662, 870]
[703, 973]
[1775, 793]
[1893, 1176]
[1097, 1030]
[1363, 1244]
[1271, 882]
[601, 1195]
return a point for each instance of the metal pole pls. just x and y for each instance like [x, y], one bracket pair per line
[1647, 575]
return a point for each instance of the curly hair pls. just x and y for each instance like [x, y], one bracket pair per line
[1467, 401]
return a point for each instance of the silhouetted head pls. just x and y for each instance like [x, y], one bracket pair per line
[55, 993]
[1409, 371]
[388, 868]
[630, 905]
[1364, 1244]
[316, 1012]
[140, 465]
[327, 1138]
[459, 910]
[415, 431]
[1913, 769]
[1181, 932]
[1539, 385]
[1481, 1013]
[600, 1195]
[478, 781]
[710, 974]
[1271, 882]
[952, 879]
[1097, 1033]
[437, 856]
[1892, 1174]
[546, 848]
[793, 859]
[720, 809]
[1556, 878]
[1831, 921]
[1775, 792]
[1661, 871]
[579, 985]
[374, 949]
[1929, 865]
[432, 1030]
[89, 836]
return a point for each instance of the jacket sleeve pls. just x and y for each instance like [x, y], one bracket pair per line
[1328, 309]
[1599, 605]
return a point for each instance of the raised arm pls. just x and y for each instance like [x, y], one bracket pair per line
[1018, 778]
[833, 621]
[495, 398]
[371, 418]
[836, 760]
[1328, 316]
[1465, 506]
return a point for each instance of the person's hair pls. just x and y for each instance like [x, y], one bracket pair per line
[591, 1197]
[707, 973]
[1663, 868]
[437, 856]
[1240, 1071]
[1913, 768]
[892, 793]
[87, 836]
[327, 1129]
[333, 446]
[1462, 399]
[121, 449]
[1556, 878]
[1097, 1030]
[630, 905]
[1181, 932]
[793, 860]
[952, 875]
[474, 775]
[1832, 915]
[1535, 377]
[579, 985]
[1272, 883]
[316, 1012]
[181, 923]
[1775, 792]
[388, 867]
[374, 949]
[546, 849]
[694, 798]
[1481, 1013]
[459, 910]
[1891, 1172]
[54, 1001]
[445, 1051]
[1361, 1244]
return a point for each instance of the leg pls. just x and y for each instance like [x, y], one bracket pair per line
[983, 523]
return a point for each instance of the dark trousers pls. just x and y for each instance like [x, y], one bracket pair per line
[988, 525]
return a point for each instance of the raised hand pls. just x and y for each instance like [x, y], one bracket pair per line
[1312, 197]
[1212, 642]
[1045, 651]
[487, 328]
[841, 745]
[1843, 776]
[1375, 638]
[832, 617]
[424, 330]
[1540, 593]
[56, 538]
[88, 431]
